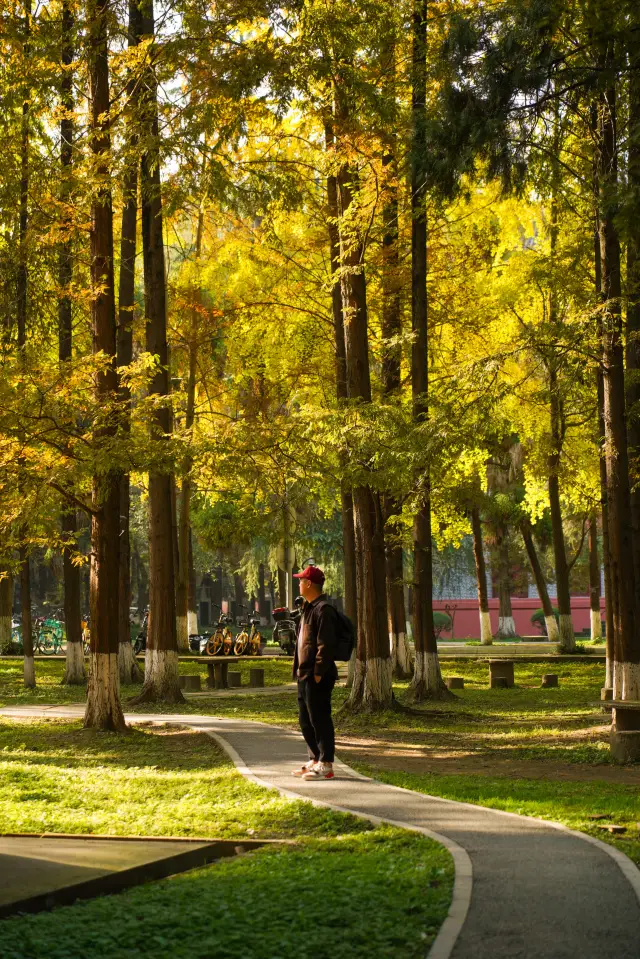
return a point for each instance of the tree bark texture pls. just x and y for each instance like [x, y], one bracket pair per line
[184, 528]
[565, 625]
[506, 622]
[103, 709]
[161, 662]
[594, 580]
[549, 616]
[22, 279]
[391, 380]
[346, 499]
[486, 633]
[75, 673]
[626, 664]
[129, 670]
[427, 682]
[6, 605]
[371, 686]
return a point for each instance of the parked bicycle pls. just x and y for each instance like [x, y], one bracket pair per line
[284, 632]
[221, 642]
[48, 636]
[140, 644]
[248, 640]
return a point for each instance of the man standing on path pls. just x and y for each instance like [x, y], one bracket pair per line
[314, 667]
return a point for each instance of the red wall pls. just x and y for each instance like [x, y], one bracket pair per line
[466, 624]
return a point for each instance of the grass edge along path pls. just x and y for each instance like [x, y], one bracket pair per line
[56, 777]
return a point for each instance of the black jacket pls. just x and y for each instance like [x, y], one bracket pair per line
[316, 640]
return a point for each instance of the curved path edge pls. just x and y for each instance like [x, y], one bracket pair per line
[542, 897]
[444, 942]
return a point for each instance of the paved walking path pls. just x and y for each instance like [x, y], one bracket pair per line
[525, 889]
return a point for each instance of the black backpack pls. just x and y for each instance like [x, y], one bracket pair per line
[345, 636]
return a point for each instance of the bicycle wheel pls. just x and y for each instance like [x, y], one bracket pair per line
[46, 643]
[214, 645]
[241, 643]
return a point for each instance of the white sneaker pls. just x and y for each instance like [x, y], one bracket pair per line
[302, 772]
[320, 771]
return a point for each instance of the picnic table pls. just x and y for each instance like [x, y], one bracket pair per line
[218, 670]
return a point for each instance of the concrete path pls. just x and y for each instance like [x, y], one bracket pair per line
[525, 889]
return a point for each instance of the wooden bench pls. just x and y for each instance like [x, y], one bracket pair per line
[624, 738]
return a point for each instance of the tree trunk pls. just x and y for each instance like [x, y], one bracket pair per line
[391, 359]
[346, 499]
[128, 668]
[6, 606]
[626, 665]
[606, 555]
[541, 586]
[427, 682]
[594, 581]
[184, 530]
[21, 303]
[161, 661]
[486, 633]
[371, 688]
[74, 674]
[193, 592]
[103, 709]
[565, 625]
[506, 622]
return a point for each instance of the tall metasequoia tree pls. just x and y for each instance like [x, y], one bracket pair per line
[541, 585]
[606, 552]
[506, 622]
[372, 688]
[161, 661]
[184, 522]
[557, 429]
[391, 379]
[346, 497]
[21, 302]
[103, 696]
[626, 664]
[427, 682]
[486, 633]
[128, 667]
[74, 673]
[594, 580]
[6, 604]
[633, 284]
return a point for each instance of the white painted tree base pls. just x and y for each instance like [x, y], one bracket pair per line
[567, 637]
[182, 631]
[74, 671]
[160, 678]
[103, 694]
[29, 671]
[192, 619]
[427, 682]
[378, 688]
[128, 668]
[596, 625]
[402, 662]
[486, 633]
[626, 681]
[553, 633]
[351, 670]
[506, 627]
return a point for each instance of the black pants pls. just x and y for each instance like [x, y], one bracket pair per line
[314, 710]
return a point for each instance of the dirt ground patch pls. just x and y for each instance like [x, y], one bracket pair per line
[415, 758]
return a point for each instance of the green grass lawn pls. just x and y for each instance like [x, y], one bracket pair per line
[49, 674]
[55, 776]
[554, 727]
